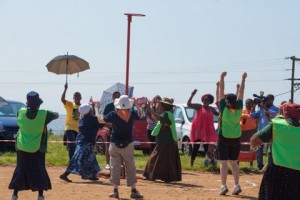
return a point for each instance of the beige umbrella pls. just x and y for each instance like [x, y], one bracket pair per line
[67, 64]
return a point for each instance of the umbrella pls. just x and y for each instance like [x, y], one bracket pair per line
[67, 64]
[106, 97]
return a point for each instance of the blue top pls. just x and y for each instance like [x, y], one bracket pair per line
[88, 128]
[261, 117]
[121, 130]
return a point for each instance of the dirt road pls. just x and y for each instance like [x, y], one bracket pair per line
[193, 186]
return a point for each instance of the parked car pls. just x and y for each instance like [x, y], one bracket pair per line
[8, 123]
[139, 132]
[183, 118]
[101, 138]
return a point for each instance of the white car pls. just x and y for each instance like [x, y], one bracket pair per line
[183, 118]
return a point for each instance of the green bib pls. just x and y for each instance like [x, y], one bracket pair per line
[156, 130]
[231, 123]
[30, 131]
[285, 146]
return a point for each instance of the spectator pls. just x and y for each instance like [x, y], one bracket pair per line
[72, 117]
[152, 121]
[229, 133]
[281, 179]
[84, 162]
[164, 161]
[203, 129]
[108, 108]
[266, 111]
[31, 146]
[248, 126]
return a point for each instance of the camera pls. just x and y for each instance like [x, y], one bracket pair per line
[259, 98]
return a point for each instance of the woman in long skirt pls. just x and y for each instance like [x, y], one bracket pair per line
[84, 162]
[31, 146]
[164, 161]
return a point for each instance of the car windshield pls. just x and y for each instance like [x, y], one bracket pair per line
[190, 113]
[11, 108]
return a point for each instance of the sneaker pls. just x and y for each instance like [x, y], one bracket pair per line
[224, 190]
[206, 162]
[65, 178]
[40, 198]
[236, 190]
[107, 166]
[136, 195]
[14, 197]
[114, 194]
[253, 169]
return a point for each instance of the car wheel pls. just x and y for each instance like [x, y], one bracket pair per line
[186, 148]
[100, 146]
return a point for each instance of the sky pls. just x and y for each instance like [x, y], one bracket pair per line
[177, 47]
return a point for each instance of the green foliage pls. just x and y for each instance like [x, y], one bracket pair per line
[57, 155]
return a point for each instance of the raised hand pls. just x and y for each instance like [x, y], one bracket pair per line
[223, 74]
[244, 75]
[194, 92]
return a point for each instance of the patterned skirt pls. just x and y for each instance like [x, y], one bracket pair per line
[164, 164]
[280, 183]
[30, 172]
[84, 162]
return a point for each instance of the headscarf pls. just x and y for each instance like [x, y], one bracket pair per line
[84, 109]
[209, 96]
[292, 111]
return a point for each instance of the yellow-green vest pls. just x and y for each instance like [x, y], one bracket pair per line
[231, 123]
[30, 131]
[286, 144]
[156, 130]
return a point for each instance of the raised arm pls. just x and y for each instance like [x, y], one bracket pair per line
[63, 96]
[218, 92]
[138, 108]
[189, 103]
[222, 85]
[242, 88]
[237, 89]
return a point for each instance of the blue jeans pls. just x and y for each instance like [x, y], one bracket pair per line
[260, 156]
[71, 137]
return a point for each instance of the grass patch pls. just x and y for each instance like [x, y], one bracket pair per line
[57, 155]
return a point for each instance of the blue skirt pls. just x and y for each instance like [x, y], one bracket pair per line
[84, 162]
[30, 172]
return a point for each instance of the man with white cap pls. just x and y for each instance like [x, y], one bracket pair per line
[121, 148]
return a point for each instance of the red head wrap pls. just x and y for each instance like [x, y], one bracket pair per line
[292, 111]
[209, 96]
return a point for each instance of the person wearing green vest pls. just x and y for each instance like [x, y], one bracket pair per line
[281, 180]
[164, 162]
[229, 133]
[31, 146]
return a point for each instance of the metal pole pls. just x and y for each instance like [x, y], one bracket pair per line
[129, 17]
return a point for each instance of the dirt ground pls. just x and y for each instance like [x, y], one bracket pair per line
[195, 185]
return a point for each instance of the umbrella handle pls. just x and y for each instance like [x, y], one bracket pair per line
[67, 69]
